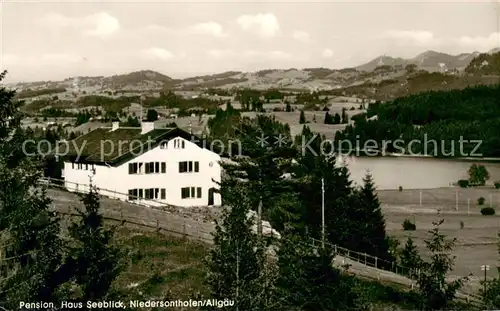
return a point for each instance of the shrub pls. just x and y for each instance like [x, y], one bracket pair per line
[480, 201]
[400, 188]
[487, 211]
[408, 225]
[464, 183]
[497, 184]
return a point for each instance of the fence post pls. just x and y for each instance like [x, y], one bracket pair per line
[157, 225]
[184, 228]
[365, 259]
[376, 265]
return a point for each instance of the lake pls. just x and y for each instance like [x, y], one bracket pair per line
[414, 172]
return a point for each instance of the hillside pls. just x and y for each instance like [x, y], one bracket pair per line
[429, 61]
[485, 64]
[383, 78]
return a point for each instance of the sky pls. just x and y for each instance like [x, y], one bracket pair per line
[60, 39]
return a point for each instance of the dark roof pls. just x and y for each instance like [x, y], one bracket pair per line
[103, 146]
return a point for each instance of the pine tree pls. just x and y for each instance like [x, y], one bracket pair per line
[29, 230]
[235, 264]
[264, 163]
[302, 118]
[410, 258]
[336, 119]
[372, 235]
[308, 281]
[436, 293]
[97, 262]
[345, 118]
[288, 210]
[313, 166]
[328, 118]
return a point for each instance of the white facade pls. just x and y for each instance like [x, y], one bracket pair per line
[188, 184]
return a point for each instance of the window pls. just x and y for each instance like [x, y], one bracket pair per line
[179, 143]
[163, 167]
[149, 194]
[140, 195]
[132, 194]
[140, 170]
[163, 194]
[73, 165]
[185, 193]
[152, 167]
[133, 168]
[183, 167]
[86, 167]
[190, 192]
[164, 145]
[189, 166]
[157, 192]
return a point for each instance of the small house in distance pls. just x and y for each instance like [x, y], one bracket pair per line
[156, 166]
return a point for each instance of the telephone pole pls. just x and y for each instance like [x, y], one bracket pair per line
[259, 219]
[323, 213]
[485, 268]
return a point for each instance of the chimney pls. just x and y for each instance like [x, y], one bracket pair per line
[115, 126]
[147, 127]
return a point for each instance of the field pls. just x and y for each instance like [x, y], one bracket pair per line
[476, 241]
[160, 266]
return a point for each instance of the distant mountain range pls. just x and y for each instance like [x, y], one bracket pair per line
[431, 61]
[383, 69]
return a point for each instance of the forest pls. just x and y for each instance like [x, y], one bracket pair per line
[447, 117]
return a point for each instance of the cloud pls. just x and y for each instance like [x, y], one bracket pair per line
[100, 24]
[271, 55]
[262, 24]
[301, 36]
[481, 42]
[158, 53]
[208, 28]
[414, 37]
[327, 53]
[103, 25]
[221, 54]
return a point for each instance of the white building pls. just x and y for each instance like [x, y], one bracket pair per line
[166, 165]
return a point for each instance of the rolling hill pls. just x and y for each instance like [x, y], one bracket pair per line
[429, 61]
[384, 77]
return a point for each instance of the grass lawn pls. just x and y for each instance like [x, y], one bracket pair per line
[160, 267]
[170, 268]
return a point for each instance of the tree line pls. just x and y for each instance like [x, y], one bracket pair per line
[451, 118]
